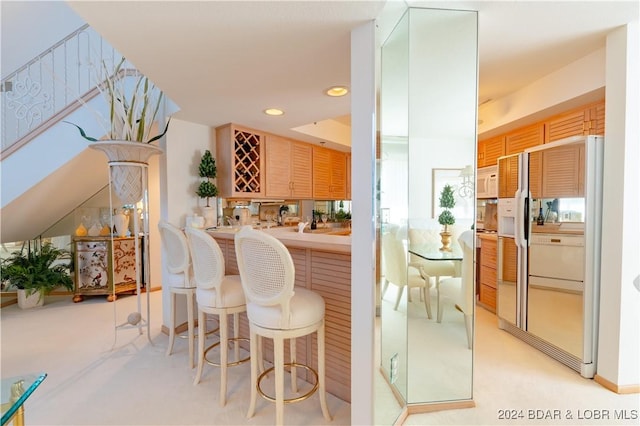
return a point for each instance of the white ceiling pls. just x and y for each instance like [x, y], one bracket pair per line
[226, 61]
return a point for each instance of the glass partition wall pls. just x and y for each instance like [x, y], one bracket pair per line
[428, 102]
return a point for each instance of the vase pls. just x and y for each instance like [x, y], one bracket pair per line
[127, 160]
[210, 215]
[34, 300]
[121, 224]
[445, 238]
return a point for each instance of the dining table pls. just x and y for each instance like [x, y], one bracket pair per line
[431, 254]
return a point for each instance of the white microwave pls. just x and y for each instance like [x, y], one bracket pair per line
[487, 182]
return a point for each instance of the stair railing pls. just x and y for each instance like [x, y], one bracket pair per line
[51, 85]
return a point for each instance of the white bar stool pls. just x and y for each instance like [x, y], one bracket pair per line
[179, 266]
[217, 294]
[278, 311]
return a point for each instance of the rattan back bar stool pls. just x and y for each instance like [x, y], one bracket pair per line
[178, 262]
[278, 311]
[217, 294]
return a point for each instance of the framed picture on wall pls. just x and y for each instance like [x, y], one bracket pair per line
[439, 178]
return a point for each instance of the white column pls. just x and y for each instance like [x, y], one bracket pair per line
[619, 333]
[363, 127]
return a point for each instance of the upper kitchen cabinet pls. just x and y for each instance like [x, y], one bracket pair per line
[508, 176]
[289, 172]
[329, 174]
[489, 150]
[535, 174]
[240, 162]
[521, 139]
[563, 172]
[586, 120]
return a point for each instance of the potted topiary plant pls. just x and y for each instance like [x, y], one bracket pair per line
[447, 202]
[36, 273]
[207, 189]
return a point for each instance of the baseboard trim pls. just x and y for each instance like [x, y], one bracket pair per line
[431, 407]
[613, 387]
[402, 417]
[396, 393]
[182, 328]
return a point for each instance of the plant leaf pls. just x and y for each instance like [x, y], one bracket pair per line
[161, 134]
[82, 133]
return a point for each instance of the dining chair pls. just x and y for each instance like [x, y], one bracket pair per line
[398, 272]
[216, 294]
[431, 270]
[278, 311]
[461, 290]
[178, 280]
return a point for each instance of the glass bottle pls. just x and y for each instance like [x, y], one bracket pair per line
[314, 224]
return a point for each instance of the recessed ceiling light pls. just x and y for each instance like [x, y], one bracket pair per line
[273, 111]
[337, 91]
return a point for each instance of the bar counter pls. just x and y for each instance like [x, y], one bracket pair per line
[323, 264]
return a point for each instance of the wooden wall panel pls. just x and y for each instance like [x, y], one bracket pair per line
[329, 275]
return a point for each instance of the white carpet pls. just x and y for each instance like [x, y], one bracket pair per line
[136, 384]
[88, 383]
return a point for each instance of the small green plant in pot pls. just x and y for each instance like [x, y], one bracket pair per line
[207, 189]
[37, 271]
[446, 218]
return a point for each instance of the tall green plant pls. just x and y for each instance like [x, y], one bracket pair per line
[37, 270]
[447, 201]
[207, 169]
[132, 112]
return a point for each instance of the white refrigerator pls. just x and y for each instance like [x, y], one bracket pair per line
[549, 212]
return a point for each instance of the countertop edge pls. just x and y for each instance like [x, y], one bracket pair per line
[330, 243]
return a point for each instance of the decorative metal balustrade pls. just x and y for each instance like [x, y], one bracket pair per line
[52, 85]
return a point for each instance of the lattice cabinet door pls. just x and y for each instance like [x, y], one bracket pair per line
[240, 162]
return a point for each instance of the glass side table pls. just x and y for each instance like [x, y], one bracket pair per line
[15, 391]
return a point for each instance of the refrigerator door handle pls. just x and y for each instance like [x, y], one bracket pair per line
[517, 217]
[526, 226]
[521, 219]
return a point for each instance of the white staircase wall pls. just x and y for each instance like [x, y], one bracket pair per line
[30, 27]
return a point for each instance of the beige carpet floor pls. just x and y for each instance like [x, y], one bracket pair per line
[91, 381]
[94, 382]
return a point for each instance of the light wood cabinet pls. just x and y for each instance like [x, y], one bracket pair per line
[289, 172]
[488, 275]
[586, 120]
[535, 174]
[489, 150]
[240, 161]
[521, 139]
[563, 172]
[508, 176]
[329, 174]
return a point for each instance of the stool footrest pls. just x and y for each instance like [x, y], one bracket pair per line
[290, 400]
[229, 364]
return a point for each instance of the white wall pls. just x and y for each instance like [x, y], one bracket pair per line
[184, 145]
[556, 91]
[27, 29]
[619, 345]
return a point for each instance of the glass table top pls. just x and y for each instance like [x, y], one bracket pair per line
[429, 253]
[16, 390]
